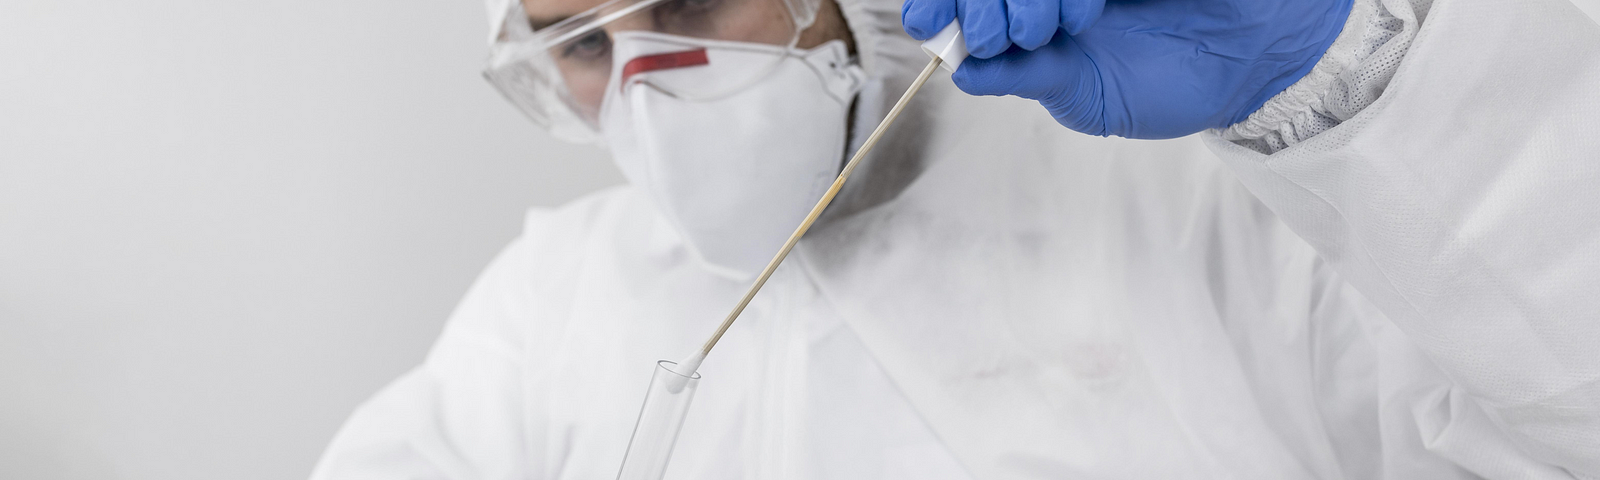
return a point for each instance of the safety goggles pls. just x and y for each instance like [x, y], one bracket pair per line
[555, 66]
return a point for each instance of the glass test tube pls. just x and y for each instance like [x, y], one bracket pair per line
[665, 404]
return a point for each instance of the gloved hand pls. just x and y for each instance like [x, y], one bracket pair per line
[1135, 68]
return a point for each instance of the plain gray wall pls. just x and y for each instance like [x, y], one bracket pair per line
[224, 224]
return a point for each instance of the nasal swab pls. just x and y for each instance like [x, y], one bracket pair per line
[673, 385]
[947, 48]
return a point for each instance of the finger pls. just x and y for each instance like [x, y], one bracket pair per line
[983, 23]
[922, 19]
[1005, 74]
[1079, 15]
[1059, 75]
[1032, 22]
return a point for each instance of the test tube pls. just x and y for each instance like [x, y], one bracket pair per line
[665, 404]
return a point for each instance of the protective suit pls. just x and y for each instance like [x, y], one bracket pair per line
[1389, 274]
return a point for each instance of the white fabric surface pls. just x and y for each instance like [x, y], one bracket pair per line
[1042, 304]
[1462, 202]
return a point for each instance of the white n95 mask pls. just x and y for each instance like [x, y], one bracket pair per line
[735, 172]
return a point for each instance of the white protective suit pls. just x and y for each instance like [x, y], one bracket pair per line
[1404, 286]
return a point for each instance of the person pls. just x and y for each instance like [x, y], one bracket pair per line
[1390, 273]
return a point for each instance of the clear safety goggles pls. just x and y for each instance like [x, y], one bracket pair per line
[555, 67]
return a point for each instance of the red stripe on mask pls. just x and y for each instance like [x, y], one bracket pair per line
[664, 61]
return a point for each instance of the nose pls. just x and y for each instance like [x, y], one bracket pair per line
[640, 20]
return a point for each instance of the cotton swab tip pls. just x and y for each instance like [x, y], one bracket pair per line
[685, 370]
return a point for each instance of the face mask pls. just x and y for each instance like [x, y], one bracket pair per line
[737, 172]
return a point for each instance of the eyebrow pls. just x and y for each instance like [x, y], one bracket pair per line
[538, 24]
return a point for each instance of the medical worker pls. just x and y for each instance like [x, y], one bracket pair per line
[1392, 272]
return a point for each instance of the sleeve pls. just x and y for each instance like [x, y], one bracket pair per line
[1447, 165]
[462, 414]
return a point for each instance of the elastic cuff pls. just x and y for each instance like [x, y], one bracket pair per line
[1347, 79]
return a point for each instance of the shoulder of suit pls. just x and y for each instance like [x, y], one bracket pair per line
[584, 217]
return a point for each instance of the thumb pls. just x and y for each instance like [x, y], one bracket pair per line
[1059, 75]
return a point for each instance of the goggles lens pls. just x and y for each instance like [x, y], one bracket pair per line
[556, 66]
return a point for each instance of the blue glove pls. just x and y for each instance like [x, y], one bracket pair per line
[1135, 68]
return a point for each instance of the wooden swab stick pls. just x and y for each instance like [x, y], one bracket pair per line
[816, 211]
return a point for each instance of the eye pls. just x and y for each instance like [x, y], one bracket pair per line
[687, 16]
[592, 46]
[691, 6]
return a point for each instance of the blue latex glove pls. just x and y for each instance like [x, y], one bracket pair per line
[1135, 68]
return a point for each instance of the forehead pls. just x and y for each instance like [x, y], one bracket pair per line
[544, 12]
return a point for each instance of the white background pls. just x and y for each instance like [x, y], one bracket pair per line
[223, 224]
